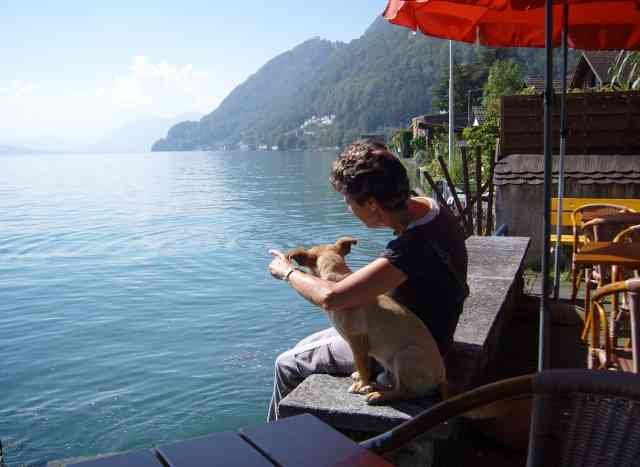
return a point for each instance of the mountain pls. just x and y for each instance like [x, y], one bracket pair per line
[139, 135]
[375, 82]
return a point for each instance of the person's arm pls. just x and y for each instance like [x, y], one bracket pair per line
[357, 289]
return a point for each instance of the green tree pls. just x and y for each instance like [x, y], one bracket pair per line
[401, 141]
[505, 78]
[484, 136]
[418, 144]
[466, 78]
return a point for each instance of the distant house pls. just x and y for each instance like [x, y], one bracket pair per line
[427, 125]
[593, 69]
[478, 115]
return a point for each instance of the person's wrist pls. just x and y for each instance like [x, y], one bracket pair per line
[287, 275]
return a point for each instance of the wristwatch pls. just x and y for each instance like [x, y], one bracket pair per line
[289, 272]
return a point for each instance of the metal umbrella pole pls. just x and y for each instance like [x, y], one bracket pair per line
[563, 147]
[545, 311]
[451, 107]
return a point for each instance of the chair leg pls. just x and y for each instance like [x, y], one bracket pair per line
[615, 298]
[586, 329]
[635, 330]
[591, 359]
[576, 274]
[588, 312]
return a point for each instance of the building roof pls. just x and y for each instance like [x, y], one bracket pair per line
[528, 169]
[442, 119]
[597, 62]
[538, 83]
[600, 62]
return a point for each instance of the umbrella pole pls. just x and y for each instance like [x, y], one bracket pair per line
[451, 106]
[563, 146]
[545, 318]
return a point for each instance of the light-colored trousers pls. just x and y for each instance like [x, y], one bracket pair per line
[322, 352]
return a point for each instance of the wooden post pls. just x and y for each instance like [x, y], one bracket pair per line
[433, 186]
[467, 189]
[456, 201]
[492, 167]
[478, 152]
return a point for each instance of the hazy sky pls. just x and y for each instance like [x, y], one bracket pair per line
[73, 70]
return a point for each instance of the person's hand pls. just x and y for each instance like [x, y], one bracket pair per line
[280, 266]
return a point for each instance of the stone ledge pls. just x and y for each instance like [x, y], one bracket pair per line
[327, 398]
[505, 260]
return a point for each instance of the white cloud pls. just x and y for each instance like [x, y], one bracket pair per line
[83, 111]
[162, 88]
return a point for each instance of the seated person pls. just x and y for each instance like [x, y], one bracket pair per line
[424, 268]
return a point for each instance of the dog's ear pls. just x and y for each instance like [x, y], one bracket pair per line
[344, 244]
[301, 256]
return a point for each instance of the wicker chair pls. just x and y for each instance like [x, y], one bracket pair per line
[593, 230]
[628, 235]
[579, 418]
[605, 324]
[618, 273]
[599, 229]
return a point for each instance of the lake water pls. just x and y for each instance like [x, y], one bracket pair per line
[135, 304]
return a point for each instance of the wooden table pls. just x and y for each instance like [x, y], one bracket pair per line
[608, 254]
[299, 441]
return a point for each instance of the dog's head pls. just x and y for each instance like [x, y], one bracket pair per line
[310, 258]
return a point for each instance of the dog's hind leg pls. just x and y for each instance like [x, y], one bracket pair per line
[360, 348]
[414, 377]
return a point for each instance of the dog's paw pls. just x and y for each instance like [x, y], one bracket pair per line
[360, 387]
[374, 398]
[355, 376]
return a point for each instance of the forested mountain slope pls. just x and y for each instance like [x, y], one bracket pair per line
[377, 81]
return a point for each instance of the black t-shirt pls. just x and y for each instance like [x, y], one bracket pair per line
[433, 255]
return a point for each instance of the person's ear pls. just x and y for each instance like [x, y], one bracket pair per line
[369, 203]
[344, 245]
[373, 205]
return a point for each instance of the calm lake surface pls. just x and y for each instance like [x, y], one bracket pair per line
[135, 304]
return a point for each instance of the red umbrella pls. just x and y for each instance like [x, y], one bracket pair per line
[592, 25]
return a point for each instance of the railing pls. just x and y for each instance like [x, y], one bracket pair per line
[475, 217]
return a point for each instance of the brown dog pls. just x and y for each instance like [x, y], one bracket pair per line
[385, 330]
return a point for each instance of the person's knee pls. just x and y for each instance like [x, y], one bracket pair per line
[285, 364]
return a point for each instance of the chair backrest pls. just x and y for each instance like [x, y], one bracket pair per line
[571, 204]
[580, 417]
[602, 208]
[598, 229]
[585, 418]
[630, 234]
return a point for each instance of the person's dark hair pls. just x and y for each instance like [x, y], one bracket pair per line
[367, 169]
